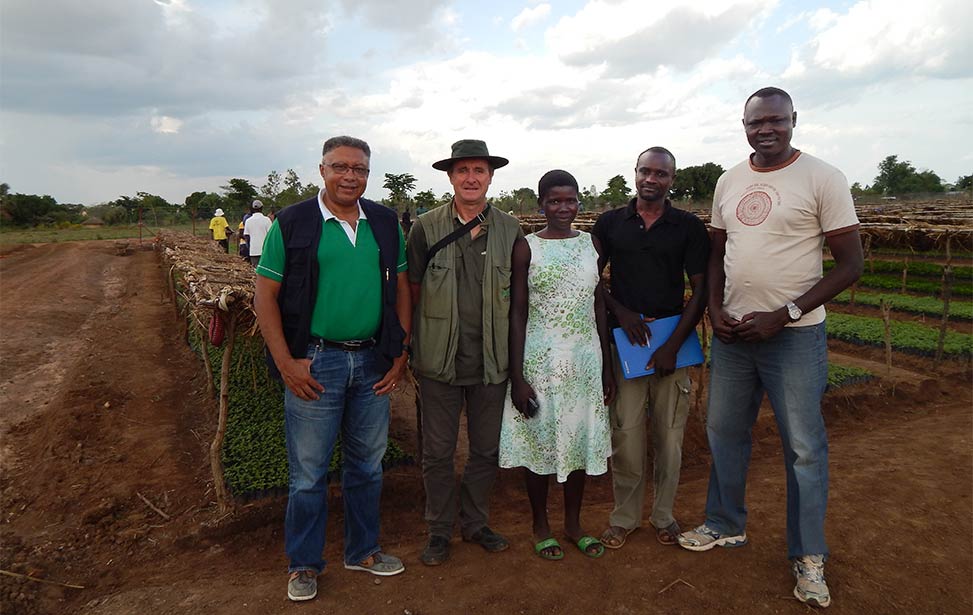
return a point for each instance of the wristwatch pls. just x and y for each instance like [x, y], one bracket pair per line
[794, 313]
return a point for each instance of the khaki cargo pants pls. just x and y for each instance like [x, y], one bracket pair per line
[668, 408]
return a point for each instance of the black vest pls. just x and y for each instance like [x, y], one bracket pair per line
[300, 226]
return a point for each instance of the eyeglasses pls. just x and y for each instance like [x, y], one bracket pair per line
[559, 202]
[342, 169]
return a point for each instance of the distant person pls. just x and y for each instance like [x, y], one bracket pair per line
[462, 296]
[406, 222]
[652, 247]
[255, 231]
[555, 420]
[218, 230]
[242, 248]
[333, 305]
[772, 215]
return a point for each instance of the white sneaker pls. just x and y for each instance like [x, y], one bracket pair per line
[704, 538]
[811, 587]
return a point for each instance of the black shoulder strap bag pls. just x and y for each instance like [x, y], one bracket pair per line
[456, 234]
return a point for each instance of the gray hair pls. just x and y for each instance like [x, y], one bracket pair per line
[345, 141]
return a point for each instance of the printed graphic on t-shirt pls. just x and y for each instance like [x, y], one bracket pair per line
[757, 201]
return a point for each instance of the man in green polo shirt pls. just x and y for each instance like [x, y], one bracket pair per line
[333, 305]
[462, 298]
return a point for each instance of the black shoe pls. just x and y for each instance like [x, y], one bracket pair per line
[436, 551]
[489, 540]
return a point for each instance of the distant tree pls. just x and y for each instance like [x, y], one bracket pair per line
[696, 183]
[209, 204]
[239, 194]
[294, 191]
[192, 205]
[590, 197]
[963, 182]
[617, 193]
[399, 187]
[525, 200]
[32, 210]
[154, 205]
[309, 190]
[895, 177]
[446, 198]
[270, 190]
[425, 199]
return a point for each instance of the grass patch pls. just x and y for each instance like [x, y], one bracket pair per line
[842, 376]
[929, 306]
[916, 268]
[920, 286]
[906, 336]
[40, 234]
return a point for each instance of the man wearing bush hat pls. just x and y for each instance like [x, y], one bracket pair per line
[333, 305]
[459, 272]
[772, 215]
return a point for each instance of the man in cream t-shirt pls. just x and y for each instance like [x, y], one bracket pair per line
[772, 215]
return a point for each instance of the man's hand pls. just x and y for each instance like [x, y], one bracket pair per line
[393, 376]
[723, 325]
[760, 326]
[521, 393]
[297, 377]
[608, 386]
[663, 360]
[634, 325]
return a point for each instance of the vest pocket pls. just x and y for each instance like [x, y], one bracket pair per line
[437, 301]
[503, 283]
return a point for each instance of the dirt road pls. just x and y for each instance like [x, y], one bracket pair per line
[103, 412]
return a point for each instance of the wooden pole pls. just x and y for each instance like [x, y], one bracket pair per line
[204, 350]
[868, 253]
[704, 341]
[905, 273]
[947, 293]
[216, 465]
[886, 307]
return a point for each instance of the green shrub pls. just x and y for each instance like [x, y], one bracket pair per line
[842, 375]
[929, 306]
[916, 268]
[906, 336]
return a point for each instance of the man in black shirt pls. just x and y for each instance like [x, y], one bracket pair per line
[650, 245]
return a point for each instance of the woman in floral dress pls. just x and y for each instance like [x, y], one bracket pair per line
[556, 418]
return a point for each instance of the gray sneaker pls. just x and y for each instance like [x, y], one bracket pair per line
[811, 587]
[704, 538]
[381, 564]
[303, 585]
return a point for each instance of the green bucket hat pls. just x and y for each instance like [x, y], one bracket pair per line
[470, 148]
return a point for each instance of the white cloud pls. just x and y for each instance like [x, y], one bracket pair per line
[163, 124]
[879, 39]
[530, 16]
[628, 39]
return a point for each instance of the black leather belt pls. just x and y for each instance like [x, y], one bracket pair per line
[351, 346]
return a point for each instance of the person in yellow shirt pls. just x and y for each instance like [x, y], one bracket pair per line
[218, 230]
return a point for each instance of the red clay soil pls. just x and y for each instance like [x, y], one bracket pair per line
[105, 424]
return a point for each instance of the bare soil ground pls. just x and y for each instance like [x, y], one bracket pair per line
[102, 405]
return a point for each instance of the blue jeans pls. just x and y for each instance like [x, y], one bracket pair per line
[350, 407]
[792, 368]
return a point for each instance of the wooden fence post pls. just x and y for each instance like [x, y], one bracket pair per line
[886, 307]
[947, 293]
[216, 464]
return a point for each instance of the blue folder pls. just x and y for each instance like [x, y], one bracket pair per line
[635, 358]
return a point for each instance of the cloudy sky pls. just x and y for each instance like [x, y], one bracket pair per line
[100, 98]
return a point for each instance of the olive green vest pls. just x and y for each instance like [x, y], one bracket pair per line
[435, 332]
